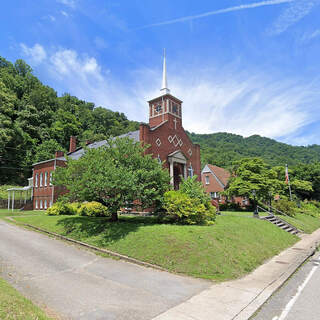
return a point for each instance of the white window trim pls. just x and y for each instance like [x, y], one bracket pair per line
[45, 178]
[36, 180]
[41, 204]
[50, 178]
[41, 179]
[45, 204]
[36, 204]
[207, 179]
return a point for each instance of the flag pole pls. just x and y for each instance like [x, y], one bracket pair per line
[288, 182]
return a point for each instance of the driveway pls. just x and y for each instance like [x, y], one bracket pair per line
[77, 284]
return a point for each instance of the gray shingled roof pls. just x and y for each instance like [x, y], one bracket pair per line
[135, 135]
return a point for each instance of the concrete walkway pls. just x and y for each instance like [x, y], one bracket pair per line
[77, 284]
[239, 299]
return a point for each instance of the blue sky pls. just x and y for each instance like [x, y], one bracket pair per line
[240, 66]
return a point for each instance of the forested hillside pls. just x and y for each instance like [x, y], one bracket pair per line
[223, 148]
[34, 121]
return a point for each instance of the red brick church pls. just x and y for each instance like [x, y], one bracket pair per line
[164, 133]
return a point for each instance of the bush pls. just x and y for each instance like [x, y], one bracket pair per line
[310, 208]
[94, 209]
[182, 209]
[61, 208]
[285, 206]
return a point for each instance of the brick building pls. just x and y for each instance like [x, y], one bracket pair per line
[215, 181]
[164, 133]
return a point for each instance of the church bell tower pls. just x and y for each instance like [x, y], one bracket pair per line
[166, 107]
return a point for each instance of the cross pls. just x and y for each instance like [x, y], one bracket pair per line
[175, 123]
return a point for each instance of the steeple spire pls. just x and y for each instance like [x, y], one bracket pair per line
[164, 89]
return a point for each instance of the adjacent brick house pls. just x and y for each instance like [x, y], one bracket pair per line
[164, 133]
[215, 180]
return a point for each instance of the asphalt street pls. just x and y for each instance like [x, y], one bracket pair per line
[77, 284]
[298, 298]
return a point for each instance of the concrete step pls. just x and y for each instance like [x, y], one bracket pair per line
[281, 224]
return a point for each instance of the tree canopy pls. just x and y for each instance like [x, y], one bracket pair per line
[34, 121]
[115, 175]
[253, 174]
[222, 149]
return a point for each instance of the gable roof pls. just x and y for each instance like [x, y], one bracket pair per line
[221, 175]
[78, 153]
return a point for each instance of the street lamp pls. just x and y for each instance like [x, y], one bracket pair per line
[256, 212]
[270, 202]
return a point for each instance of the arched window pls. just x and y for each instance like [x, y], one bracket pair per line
[41, 179]
[45, 178]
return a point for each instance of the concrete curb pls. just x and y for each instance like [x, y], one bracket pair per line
[89, 246]
[254, 305]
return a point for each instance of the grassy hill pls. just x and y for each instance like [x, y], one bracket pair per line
[223, 148]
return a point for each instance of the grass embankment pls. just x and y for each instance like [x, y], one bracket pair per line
[14, 306]
[304, 222]
[231, 248]
[8, 213]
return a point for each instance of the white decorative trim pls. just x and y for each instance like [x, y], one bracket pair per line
[190, 152]
[158, 142]
[175, 140]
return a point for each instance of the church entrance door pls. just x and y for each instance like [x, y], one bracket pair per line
[177, 175]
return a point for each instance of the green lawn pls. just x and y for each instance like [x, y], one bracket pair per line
[304, 222]
[14, 306]
[231, 248]
[242, 213]
[6, 212]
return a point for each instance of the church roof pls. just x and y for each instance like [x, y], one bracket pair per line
[135, 135]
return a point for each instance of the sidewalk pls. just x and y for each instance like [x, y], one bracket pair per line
[239, 299]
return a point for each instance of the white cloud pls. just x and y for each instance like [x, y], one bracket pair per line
[215, 100]
[68, 3]
[310, 36]
[64, 13]
[225, 10]
[291, 15]
[36, 54]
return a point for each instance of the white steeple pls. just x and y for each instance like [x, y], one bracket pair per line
[164, 89]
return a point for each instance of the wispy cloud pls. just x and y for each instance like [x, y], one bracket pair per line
[36, 54]
[215, 99]
[294, 13]
[68, 3]
[64, 13]
[309, 36]
[220, 11]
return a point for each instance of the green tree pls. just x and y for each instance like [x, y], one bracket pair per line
[115, 175]
[252, 174]
[46, 150]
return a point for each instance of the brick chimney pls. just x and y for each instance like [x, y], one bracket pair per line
[59, 154]
[73, 144]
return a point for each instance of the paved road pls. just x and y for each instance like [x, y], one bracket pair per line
[299, 298]
[78, 284]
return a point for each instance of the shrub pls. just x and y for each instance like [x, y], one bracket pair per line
[94, 209]
[183, 209]
[310, 208]
[285, 206]
[61, 208]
